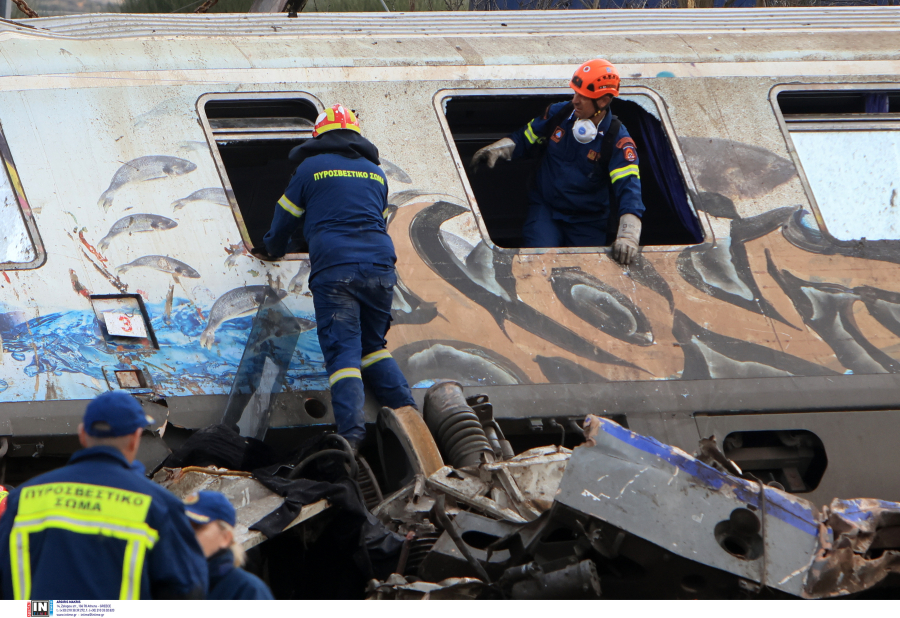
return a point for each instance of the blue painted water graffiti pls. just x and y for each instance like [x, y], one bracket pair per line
[71, 343]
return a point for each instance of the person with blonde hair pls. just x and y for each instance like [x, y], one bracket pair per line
[213, 518]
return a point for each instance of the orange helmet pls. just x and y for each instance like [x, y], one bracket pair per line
[336, 117]
[595, 78]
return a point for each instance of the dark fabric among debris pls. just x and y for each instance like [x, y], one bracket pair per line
[223, 447]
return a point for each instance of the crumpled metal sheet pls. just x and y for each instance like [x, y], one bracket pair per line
[399, 588]
[859, 547]
[251, 499]
[536, 473]
[662, 494]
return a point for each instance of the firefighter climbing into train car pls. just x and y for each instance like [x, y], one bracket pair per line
[94, 529]
[213, 518]
[340, 192]
[588, 175]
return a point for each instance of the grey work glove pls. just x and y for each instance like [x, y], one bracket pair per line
[627, 239]
[501, 149]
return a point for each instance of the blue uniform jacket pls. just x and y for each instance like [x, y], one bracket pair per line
[227, 582]
[567, 182]
[94, 529]
[341, 193]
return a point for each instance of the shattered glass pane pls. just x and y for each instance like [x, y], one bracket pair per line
[264, 364]
[855, 178]
[15, 243]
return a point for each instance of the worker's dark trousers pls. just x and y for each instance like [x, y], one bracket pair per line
[353, 314]
[542, 229]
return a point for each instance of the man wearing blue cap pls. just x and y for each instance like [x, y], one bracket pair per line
[94, 529]
[213, 518]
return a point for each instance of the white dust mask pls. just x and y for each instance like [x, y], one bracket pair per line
[584, 130]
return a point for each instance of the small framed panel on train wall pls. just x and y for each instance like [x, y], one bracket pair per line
[20, 243]
[473, 118]
[845, 142]
[250, 136]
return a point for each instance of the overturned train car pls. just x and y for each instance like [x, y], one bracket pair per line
[144, 156]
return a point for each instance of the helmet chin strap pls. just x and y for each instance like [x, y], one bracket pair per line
[597, 109]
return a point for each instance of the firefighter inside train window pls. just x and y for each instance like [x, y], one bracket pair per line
[638, 167]
[848, 147]
[253, 138]
[20, 244]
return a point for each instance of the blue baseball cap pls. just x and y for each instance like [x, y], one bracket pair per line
[206, 506]
[114, 414]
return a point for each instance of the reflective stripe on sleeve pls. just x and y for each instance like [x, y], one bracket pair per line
[340, 374]
[531, 136]
[290, 206]
[622, 172]
[370, 359]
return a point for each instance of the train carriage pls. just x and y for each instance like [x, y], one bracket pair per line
[144, 156]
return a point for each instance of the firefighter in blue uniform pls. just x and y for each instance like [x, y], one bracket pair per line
[341, 193]
[213, 518]
[590, 164]
[94, 529]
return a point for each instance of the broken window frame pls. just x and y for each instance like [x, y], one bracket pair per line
[441, 96]
[212, 135]
[828, 123]
[15, 183]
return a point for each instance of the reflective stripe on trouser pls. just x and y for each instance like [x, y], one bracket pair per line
[347, 398]
[353, 313]
[138, 539]
[382, 374]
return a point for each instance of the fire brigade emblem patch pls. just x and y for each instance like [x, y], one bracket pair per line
[625, 141]
[630, 154]
[557, 135]
[592, 155]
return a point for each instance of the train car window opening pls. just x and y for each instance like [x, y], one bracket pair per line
[501, 194]
[253, 136]
[847, 145]
[794, 459]
[20, 243]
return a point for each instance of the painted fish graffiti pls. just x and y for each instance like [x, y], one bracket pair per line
[709, 355]
[804, 232]
[394, 172]
[486, 278]
[722, 269]
[827, 308]
[407, 308]
[214, 195]
[300, 281]
[133, 224]
[232, 304]
[141, 170]
[161, 263]
[601, 305]
[423, 362]
[560, 370]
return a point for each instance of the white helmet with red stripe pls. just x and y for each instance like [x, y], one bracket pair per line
[336, 117]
